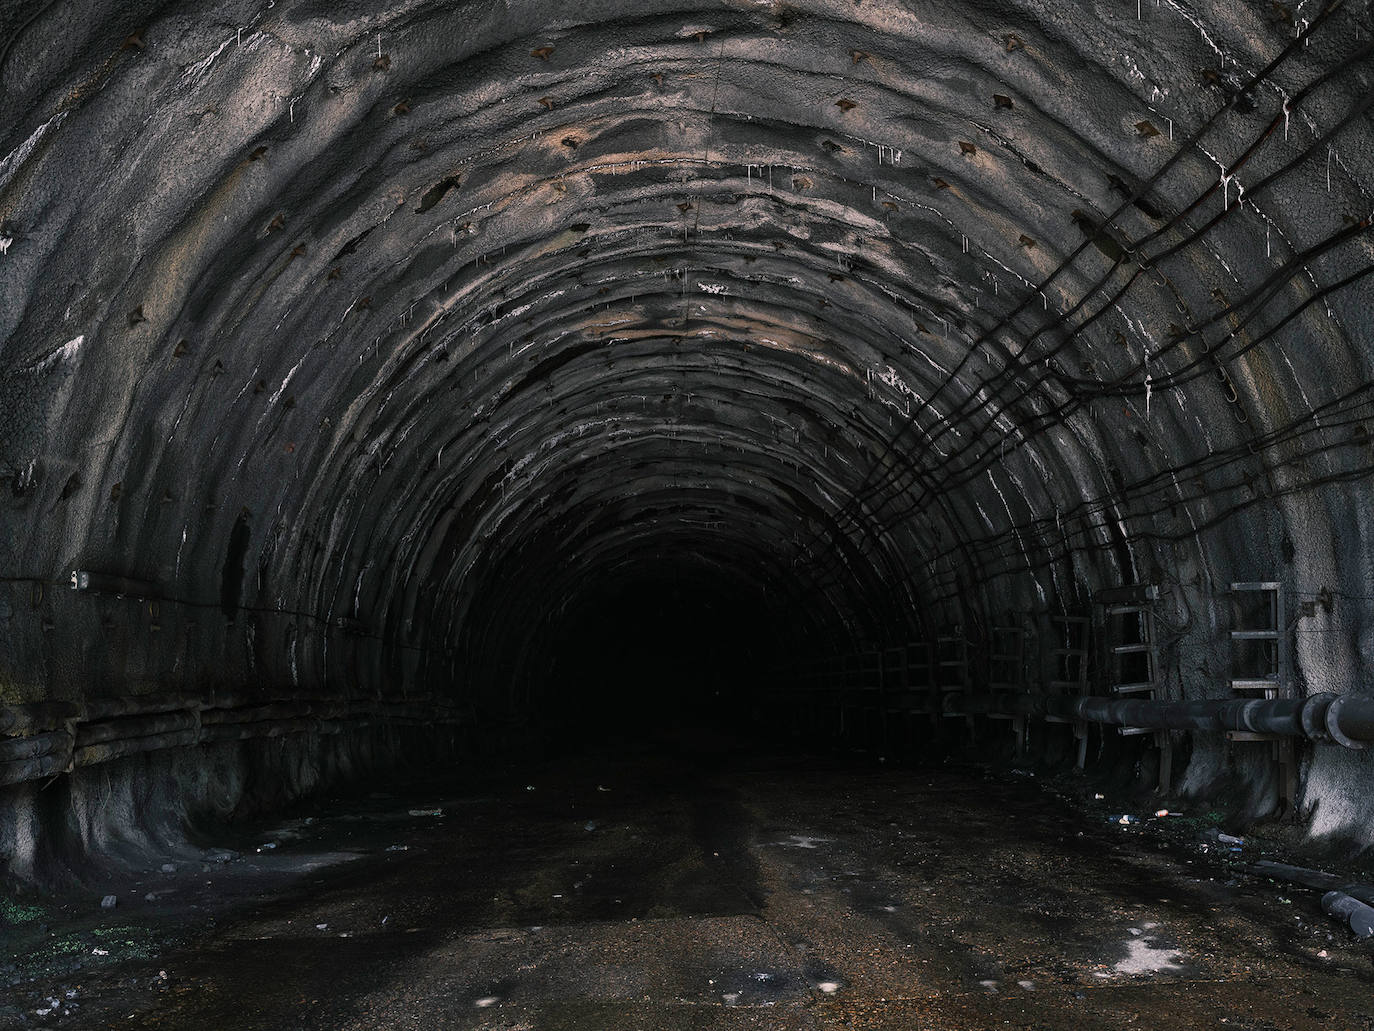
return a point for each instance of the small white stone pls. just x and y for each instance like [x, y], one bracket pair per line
[485, 1001]
[829, 987]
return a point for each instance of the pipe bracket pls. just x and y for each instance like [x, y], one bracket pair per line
[1313, 715]
[1333, 724]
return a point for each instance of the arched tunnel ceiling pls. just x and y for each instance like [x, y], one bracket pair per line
[422, 318]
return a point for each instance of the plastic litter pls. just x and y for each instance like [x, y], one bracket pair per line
[1125, 819]
[267, 847]
[426, 812]
[169, 868]
[398, 848]
[108, 902]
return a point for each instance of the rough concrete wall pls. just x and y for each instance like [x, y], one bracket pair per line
[368, 338]
[138, 810]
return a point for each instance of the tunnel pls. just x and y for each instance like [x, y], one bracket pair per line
[439, 387]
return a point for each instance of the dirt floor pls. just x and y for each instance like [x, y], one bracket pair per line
[668, 891]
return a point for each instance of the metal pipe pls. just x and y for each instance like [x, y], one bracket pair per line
[1345, 719]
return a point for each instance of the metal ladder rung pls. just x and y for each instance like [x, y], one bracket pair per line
[1133, 688]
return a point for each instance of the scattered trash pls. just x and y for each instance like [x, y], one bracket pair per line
[600, 787]
[1098, 797]
[1161, 812]
[489, 1000]
[169, 868]
[321, 927]
[1351, 910]
[1214, 834]
[150, 897]
[398, 848]
[590, 825]
[829, 987]
[730, 998]
[267, 847]
[529, 787]
[108, 902]
[1027, 985]
[1125, 819]
[100, 952]
[426, 812]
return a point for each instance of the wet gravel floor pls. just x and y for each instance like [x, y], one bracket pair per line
[666, 892]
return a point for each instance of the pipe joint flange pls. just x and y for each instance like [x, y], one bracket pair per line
[1312, 715]
[1333, 724]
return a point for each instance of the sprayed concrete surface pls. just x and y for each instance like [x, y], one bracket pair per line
[672, 892]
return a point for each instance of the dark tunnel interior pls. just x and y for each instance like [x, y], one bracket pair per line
[474, 366]
[395, 386]
[705, 648]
